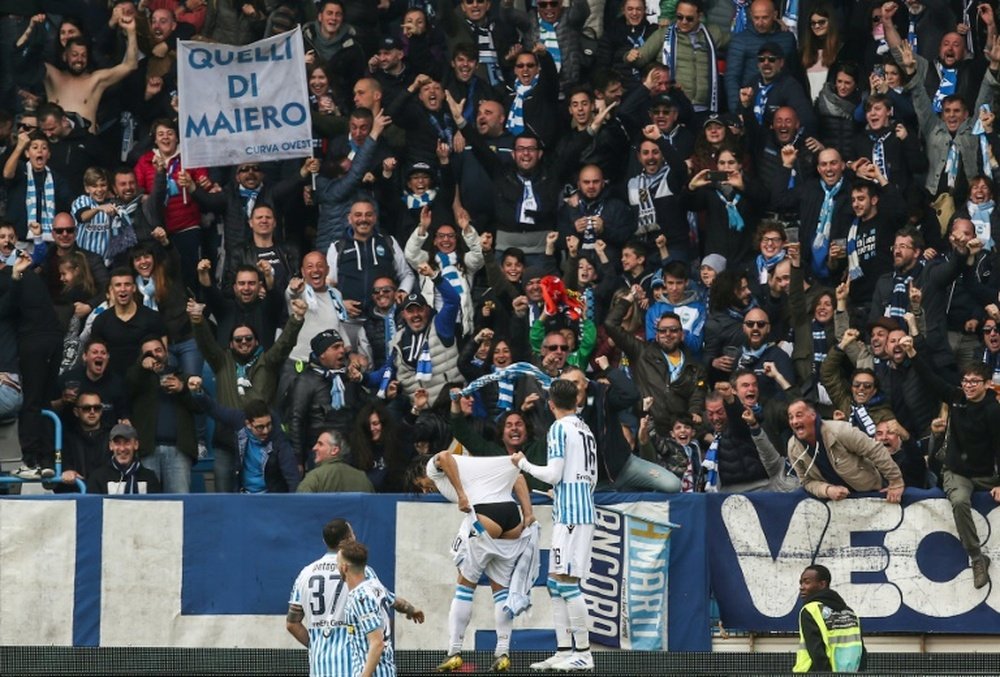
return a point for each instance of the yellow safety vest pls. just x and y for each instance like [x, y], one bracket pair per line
[841, 632]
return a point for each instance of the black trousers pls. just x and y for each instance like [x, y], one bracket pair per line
[39, 357]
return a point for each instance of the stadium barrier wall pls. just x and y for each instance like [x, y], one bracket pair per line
[216, 570]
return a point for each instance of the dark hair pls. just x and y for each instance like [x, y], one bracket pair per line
[355, 554]
[122, 169]
[255, 408]
[637, 246]
[979, 369]
[49, 109]
[562, 394]
[580, 89]
[243, 325]
[875, 98]
[363, 114]
[246, 268]
[670, 315]
[162, 122]
[335, 531]
[604, 78]
[912, 233]
[502, 421]
[768, 226]
[324, 3]
[466, 49]
[93, 341]
[873, 189]
[822, 573]
[515, 252]
[740, 373]
[830, 44]
[676, 269]
[866, 371]
[362, 444]
[723, 293]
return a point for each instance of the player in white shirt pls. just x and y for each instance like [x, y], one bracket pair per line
[572, 471]
[366, 616]
[316, 607]
[489, 540]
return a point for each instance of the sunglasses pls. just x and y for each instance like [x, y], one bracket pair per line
[558, 347]
[526, 64]
[767, 59]
[685, 18]
[243, 339]
[63, 231]
[27, 127]
[993, 329]
[864, 385]
[474, 2]
[755, 324]
[383, 290]
[668, 330]
[249, 168]
[89, 407]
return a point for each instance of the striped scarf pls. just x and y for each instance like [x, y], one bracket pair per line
[760, 101]
[710, 466]
[951, 164]
[147, 287]
[487, 51]
[911, 32]
[547, 36]
[766, 265]
[984, 143]
[336, 299]
[648, 185]
[819, 345]
[790, 15]
[249, 198]
[862, 420]
[414, 201]
[129, 475]
[386, 376]
[853, 258]
[669, 58]
[878, 149]
[505, 398]
[40, 206]
[449, 268]
[424, 365]
[515, 120]
[739, 17]
[750, 356]
[899, 300]
[512, 372]
[821, 243]
[588, 296]
[946, 87]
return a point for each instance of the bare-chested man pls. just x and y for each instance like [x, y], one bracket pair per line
[76, 89]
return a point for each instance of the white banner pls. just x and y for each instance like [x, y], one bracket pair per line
[243, 103]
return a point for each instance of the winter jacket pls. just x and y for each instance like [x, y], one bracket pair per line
[861, 461]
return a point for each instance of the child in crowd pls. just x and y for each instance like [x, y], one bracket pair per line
[95, 213]
[672, 294]
[679, 453]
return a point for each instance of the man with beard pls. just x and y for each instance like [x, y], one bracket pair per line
[72, 146]
[421, 110]
[250, 303]
[62, 246]
[933, 278]
[876, 210]
[758, 351]
[74, 88]
[93, 376]
[85, 445]
[470, 173]
[833, 459]
[655, 194]
[775, 88]
[594, 214]
[132, 204]
[858, 398]
[766, 143]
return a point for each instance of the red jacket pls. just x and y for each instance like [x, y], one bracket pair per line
[177, 215]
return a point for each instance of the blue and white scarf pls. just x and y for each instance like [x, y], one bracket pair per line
[750, 356]
[739, 17]
[854, 271]
[980, 215]
[514, 371]
[911, 31]
[733, 215]
[147, 287]
[41, 205]
[878, 139]
[449, 268]
[862, 420]
[821, 243]
[487, 51]
[946, 87]
[760, 101]
[951, 163]
[790, 15]
[336, 299]
[515, 120]
[710, 466]
[819, 345]
[243, 382]
[445, 127]
[336, 386]
[984, 143]
[588, 238]
[649, 185]
[992, 360]
[414, 201]
[766, 265]
[425, 368]
[669, 58]
[249, 198]
[386, 379]
[547, 36]
[899, 299]
[505, 396]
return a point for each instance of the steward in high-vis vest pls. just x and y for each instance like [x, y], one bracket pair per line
[829, 630]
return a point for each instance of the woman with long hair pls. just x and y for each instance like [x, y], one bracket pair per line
[379, 447]
[821, 45]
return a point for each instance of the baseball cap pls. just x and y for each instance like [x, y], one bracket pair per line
[418, 167]
[124, 430]
[323, 340]
[414, 299]
[662, 100]
[713, 119]
[390, 42]
[771, 47]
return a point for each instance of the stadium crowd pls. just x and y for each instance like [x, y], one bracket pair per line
[760, 239]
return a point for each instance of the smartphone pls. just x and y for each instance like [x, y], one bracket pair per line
[718, 177]
[879, 70]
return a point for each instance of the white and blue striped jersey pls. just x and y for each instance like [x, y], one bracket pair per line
[368, 610]
[322, 594]
[570, 439]
[93, 235]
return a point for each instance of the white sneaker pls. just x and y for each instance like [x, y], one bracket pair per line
[26, 473]
[547, 664]
[576, 661]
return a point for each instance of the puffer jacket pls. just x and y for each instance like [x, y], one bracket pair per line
[836, 120]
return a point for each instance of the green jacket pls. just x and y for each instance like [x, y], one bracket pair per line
[694, 72]
[335, 476]
[477, 445]
[263, 374]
